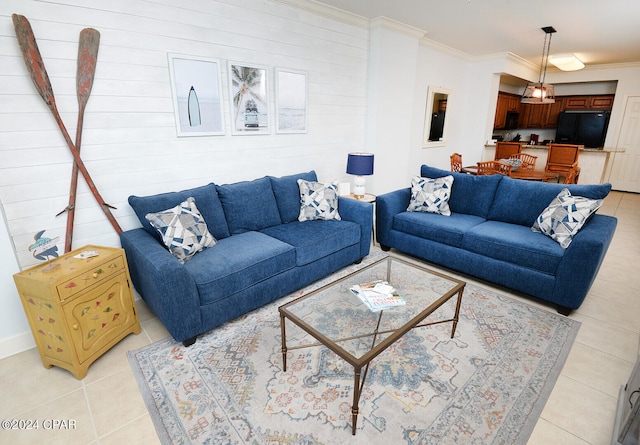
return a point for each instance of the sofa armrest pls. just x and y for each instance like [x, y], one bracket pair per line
[163, 283]
[362, 213]
[582, 260]
[387, 206]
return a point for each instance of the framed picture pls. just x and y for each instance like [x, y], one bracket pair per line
[291, 101]
[248, 99]
[197, 95]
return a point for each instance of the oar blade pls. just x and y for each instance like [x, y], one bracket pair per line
[33, 58]
[87, 59]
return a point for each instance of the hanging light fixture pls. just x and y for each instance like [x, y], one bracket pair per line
[540, 92]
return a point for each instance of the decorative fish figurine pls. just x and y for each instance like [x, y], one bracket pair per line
[44, 247]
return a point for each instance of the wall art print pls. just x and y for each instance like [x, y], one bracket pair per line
[197, 95]
[248, 99]
[291, 101]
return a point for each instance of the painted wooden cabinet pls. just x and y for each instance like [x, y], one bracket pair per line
[79, 307]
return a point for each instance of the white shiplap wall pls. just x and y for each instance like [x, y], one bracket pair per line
[129, 140]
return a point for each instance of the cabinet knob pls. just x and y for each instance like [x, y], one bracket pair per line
[75, 327]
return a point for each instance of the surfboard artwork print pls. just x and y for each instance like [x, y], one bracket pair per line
[194, 108]
[197, 95]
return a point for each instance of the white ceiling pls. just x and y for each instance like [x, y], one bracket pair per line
[597, 31]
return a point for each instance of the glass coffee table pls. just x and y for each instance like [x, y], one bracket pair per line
[336, 318]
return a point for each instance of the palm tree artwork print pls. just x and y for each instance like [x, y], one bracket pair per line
[249, 98]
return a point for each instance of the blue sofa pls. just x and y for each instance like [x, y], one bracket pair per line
[488, 235]
[262, 253]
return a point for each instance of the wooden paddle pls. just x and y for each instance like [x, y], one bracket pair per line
[38, 72]
[87, 59]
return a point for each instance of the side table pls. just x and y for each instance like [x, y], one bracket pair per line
[79, 306]
[370, 198]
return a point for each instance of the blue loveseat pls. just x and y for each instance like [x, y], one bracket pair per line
[488, 235]
[262, 253]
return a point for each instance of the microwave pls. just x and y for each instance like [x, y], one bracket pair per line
[512, 120]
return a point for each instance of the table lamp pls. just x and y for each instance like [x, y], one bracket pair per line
[361, 165]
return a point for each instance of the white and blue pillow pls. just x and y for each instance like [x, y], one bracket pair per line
[431, 195]
[564, 217]
[183, 229]
[318, 201]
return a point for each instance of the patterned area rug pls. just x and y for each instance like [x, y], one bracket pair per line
[488, 385]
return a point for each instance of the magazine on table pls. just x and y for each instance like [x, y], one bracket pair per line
[378, 295]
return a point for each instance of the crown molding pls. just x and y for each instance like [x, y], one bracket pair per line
[394, 25]
[328, 11]
[610, 66]
[445, 49]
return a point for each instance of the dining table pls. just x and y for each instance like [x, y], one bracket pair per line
[525, 174]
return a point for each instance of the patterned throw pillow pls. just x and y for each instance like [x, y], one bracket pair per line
[430, 195]
[318, 200]
[183, 230]
[565, 216]
[515, 163]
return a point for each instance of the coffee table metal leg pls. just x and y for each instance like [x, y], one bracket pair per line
[455, 317]
[356, 400]
[284, 343]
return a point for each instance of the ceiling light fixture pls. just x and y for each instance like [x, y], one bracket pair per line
[541, 93]
[566, 62]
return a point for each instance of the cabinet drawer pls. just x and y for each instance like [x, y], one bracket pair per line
[90, 277]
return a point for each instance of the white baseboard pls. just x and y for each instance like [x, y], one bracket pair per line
[16, 344]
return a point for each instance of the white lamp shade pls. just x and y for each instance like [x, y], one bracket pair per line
[538, 93]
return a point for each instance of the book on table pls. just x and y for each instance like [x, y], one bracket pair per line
[378, 295]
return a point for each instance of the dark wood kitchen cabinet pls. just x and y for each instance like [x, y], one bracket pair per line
[542, 115]
[593, 102]
[546, 115]
[506, 102]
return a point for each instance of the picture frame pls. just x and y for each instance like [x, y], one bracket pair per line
[196, 88]
[291, 101]
[248, 99]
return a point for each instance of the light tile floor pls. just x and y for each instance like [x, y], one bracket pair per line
[106, 406]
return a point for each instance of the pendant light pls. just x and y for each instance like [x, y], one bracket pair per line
[540, 92]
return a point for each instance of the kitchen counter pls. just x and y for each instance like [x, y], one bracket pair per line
[544, 147]
[595, 163]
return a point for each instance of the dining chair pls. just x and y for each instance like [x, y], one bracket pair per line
[562, 158]
[573, 175]
[528, 161]
[456, 162]
[505, 149]
[493, 167]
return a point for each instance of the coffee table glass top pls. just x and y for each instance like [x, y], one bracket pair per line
[339, 320]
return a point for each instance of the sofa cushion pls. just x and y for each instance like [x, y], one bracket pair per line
[520, 202]
[238, 262]
[206, 198]
[318, 201]
[313, 240]
[565, 216]
[514, 244]
[287, 194]
[430, 195]
[183, 230]
[447, 230]
[470, 194]
[249, 205]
